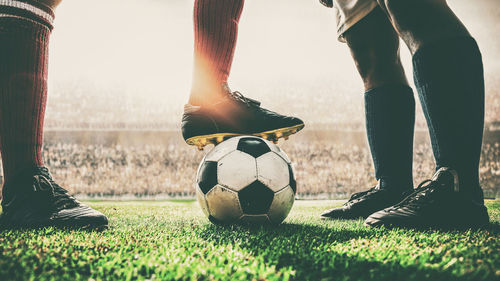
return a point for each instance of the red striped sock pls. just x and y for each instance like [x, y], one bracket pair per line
[24, 37]
[216, 31]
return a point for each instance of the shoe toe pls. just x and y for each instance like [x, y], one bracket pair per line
[294, 121]
[390, 218]
[332, 213]
[375, 219]
[340, 213]
[81, 217]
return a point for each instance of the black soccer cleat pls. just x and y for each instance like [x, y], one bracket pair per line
[363, 204]
[34, 200]
[234, 115]
[435, 203]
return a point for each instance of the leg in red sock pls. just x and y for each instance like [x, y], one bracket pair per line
[214, 113]
[215, 31]
[31, 198]
[23, 92]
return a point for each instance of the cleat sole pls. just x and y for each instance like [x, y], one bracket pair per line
[274, 135]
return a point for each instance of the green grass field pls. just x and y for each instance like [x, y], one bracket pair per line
[173, 241]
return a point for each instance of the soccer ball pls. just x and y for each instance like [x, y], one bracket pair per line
[246, 180]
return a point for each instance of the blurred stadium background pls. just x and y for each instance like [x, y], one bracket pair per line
[120, 73]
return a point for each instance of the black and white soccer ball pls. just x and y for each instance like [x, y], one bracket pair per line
[246, 180]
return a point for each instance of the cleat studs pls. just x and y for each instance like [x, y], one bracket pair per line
[287, 137]
[219, 140]
[278, 135]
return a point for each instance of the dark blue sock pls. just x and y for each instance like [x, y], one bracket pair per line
[450, 83]
[390, 119]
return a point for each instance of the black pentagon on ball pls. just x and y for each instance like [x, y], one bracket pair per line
[207, 176]
[256, 198]
[253, 146]
[293, 183]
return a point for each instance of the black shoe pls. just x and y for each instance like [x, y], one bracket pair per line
[34, 200]
[363, 204]
[436, 203]
[232, 116]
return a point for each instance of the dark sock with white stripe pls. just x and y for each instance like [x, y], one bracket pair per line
[450, 82]
[25, 28]
[215, 31]
[390, 119]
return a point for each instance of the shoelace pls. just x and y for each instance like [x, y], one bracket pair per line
[241, 98]
[58, 196]
[360, 194]
[422, 195]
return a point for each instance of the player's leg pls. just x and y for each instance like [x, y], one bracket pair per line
[448, 74]
[216, 32]
[423, 22]
[30, 196]
[390, 115]
[214, 112]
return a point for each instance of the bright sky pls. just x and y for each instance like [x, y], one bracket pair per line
[144, 47]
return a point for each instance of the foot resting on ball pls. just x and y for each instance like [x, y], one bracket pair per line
[435, 203]
[33, 200]
[363, 204]
[234, 115]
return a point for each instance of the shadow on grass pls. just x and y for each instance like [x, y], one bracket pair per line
[307, 249]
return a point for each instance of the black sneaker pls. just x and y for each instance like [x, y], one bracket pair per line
[34, 200]
[363, 204]
[232, 116]
[436, 203]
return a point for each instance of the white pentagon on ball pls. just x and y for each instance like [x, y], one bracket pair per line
[273, 171]
[285, 197]
[278, 151]
[223, 204]
[236, 170]
[222, 150]
[246, 180]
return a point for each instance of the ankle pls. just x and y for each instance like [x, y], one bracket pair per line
[208, 96]
[395, 186]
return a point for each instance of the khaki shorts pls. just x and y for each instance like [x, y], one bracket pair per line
[349, 12]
